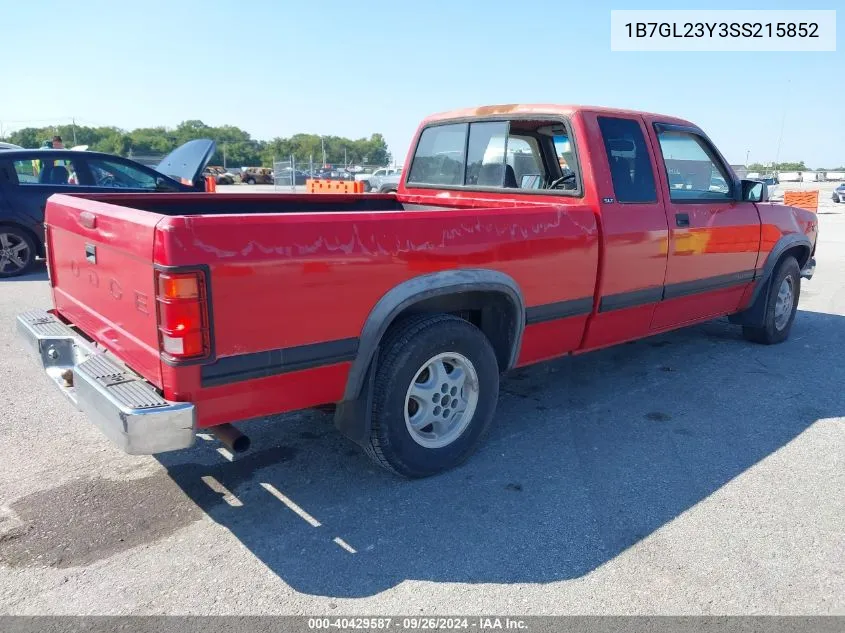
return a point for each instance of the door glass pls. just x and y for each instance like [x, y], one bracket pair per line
[565, 160]
[524, 158]
[107, 173]
[486, 155]
[439, 159]
[627, 155]
[42, 171]
[692, 170]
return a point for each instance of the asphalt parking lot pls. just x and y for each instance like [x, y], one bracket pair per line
[689, 473]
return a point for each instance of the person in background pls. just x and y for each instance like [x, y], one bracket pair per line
[56, 143]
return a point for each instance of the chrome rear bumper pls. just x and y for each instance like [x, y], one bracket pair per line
[125, 407]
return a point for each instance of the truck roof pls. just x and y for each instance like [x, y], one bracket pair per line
[543, 109]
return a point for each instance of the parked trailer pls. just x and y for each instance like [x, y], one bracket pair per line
[810, 176]
[789, 176]
[835, 175]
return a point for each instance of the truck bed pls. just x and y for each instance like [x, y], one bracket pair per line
[189, 204]
[293, 276]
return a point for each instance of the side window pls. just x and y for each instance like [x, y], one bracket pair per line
[42, 171]
[107, 173]
[693, 171]
[524, 158]
[27, 171]
[439, 159]
[627, 155]
[486, 155]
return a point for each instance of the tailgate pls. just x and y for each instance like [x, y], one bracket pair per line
[101, 271]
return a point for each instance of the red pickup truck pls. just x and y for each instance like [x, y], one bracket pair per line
[519, 233]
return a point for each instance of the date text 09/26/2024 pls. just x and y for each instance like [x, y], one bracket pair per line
[483, 623]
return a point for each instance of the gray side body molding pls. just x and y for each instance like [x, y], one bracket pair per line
[424, 287]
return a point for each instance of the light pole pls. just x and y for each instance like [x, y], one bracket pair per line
[323, 147]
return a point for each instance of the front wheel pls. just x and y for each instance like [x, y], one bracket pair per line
[781, 307]
[436, 387]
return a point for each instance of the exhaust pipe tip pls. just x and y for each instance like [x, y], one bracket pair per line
[231, 438]
[241, 444]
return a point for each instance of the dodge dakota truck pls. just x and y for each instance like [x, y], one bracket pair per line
[519, 233]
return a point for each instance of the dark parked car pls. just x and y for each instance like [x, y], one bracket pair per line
[257, 176]
[283, 177]
[220, 175]
[839, 193]
[29, 176]
[334, 174]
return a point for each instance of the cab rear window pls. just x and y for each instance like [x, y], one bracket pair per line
[439, 159]
[526, 154]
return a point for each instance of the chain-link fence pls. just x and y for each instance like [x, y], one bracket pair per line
[285, 174]
[292, 173]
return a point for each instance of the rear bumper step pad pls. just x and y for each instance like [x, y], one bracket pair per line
[124, 406]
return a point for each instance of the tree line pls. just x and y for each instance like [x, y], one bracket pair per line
[239, 148]
[799, 166]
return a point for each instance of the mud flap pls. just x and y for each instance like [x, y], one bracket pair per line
[353, 418]
[755, 314]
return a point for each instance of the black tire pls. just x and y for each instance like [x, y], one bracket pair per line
[16, 242]
[406, 349]
[772, 332]
[250, 181]
[367, 186]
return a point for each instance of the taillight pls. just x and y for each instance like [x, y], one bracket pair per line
[182, 307]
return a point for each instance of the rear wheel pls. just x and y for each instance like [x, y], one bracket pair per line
[782, 305]
[436, 388]
[250, 181]
[17, 252]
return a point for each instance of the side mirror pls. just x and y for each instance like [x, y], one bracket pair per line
[754, 191]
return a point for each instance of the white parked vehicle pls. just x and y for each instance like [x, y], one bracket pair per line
[375, 180]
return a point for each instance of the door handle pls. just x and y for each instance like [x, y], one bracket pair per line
[682, 219]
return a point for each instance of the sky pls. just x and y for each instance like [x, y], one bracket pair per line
[353, 68]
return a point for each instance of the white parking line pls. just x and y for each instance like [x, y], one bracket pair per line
[219, 488]
[290, 504]
[345, 545]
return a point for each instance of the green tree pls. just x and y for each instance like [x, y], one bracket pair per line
[799, 166]
[240, 149]
[26, 137]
